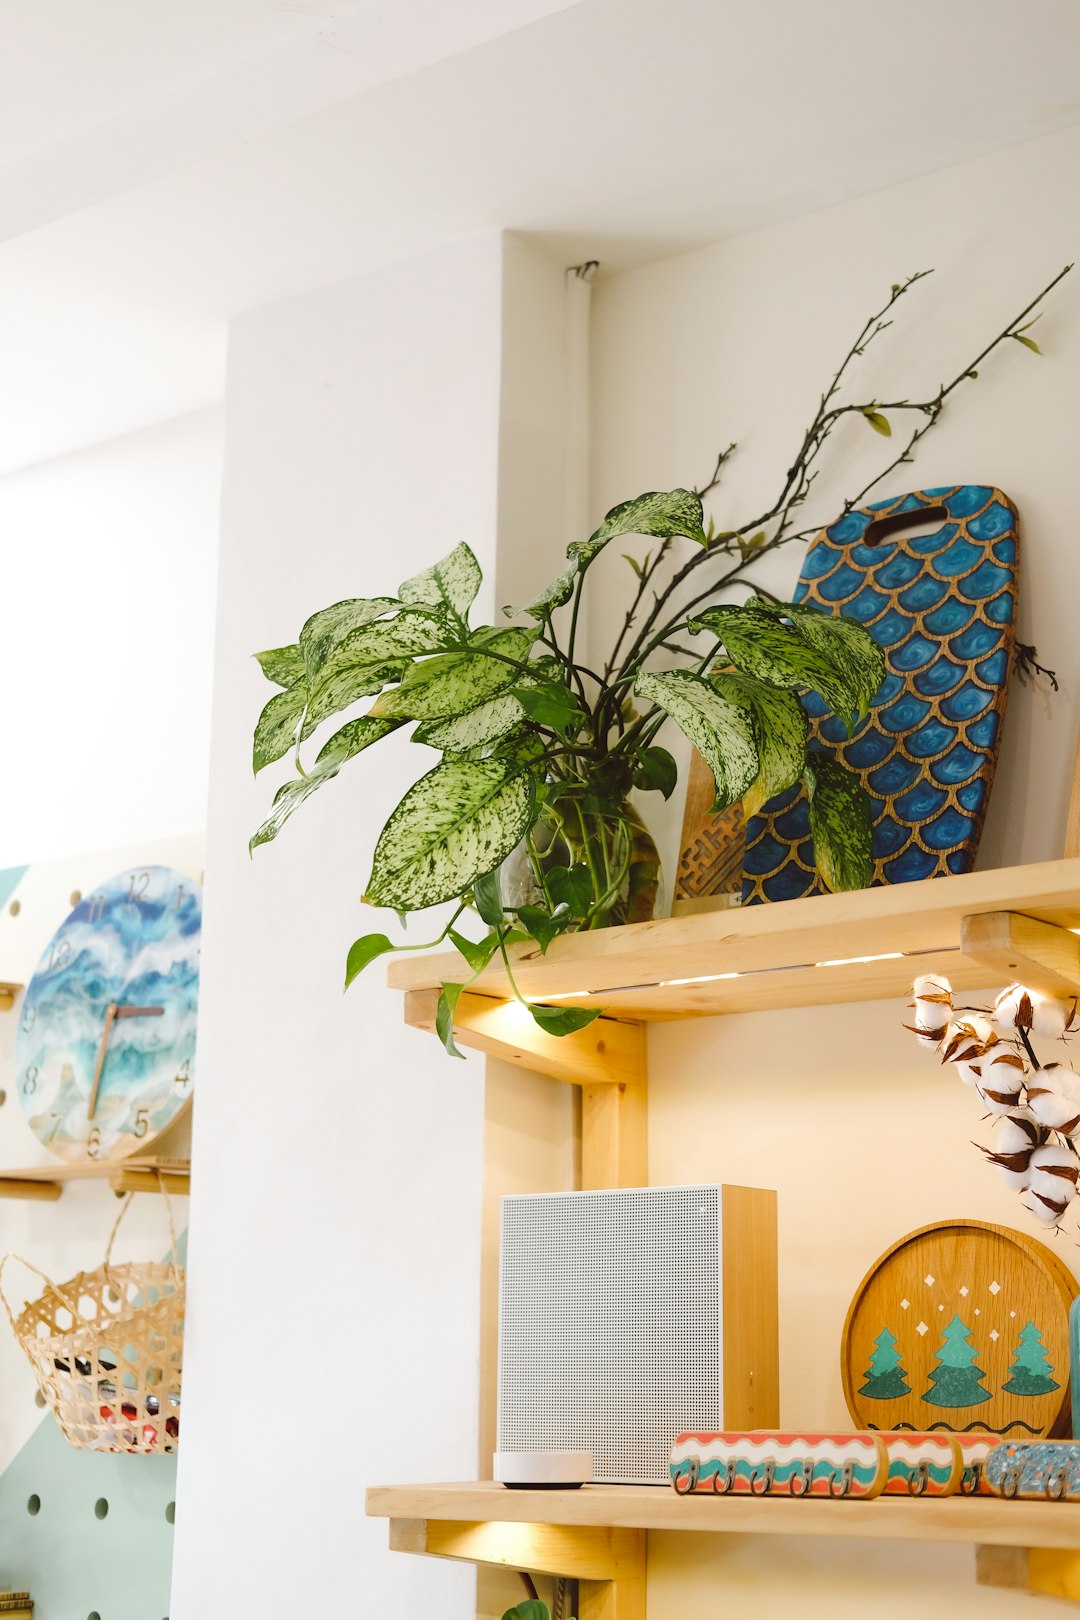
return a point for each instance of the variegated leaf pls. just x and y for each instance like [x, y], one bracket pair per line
[325, 629]
[841, 824]
[848, 645]
[451, 583]
[452, 683]
[282, 665]
[277, 725]
[759, 644]
[458, 822]
[367, 659]
[352, 739]
[476, 729]
[663, 513]
[780, 729]
[719, 729]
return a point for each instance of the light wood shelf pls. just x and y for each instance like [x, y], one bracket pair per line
[796, 953]
[983, 1519]
[46, 1182]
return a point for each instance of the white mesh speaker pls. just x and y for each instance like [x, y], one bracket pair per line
[612, 1330]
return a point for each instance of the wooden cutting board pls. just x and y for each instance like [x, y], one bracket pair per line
[942, 606]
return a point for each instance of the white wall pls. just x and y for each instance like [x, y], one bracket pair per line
[737, 341]
[105, 657]
[864, 1137]
[335, 1242]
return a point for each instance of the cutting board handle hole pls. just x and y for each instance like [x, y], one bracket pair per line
[908, 524]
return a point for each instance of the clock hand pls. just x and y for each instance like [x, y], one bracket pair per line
[112, 1012]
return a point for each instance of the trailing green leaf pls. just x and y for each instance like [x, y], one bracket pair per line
[655, 771]
[550, 704]
[780, 730]
[323, 631]
[477, 953]
[487, 897]
[364, 950]
[449, 996]
[455, 824]
[719, 729]
[529, 1609]
[282, 665]
[474, 730]
[544, 926]
[841, 824]
[277, 726]
[452, 683]
[452, 583]
[563, 1020]
[571, 886]
[848, 645]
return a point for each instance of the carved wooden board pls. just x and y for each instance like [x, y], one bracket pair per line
[961, 1326]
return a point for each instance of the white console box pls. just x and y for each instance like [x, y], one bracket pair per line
[628, 1317]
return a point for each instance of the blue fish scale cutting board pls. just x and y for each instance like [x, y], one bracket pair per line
[942, 607]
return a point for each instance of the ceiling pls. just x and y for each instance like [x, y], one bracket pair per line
[165, 164]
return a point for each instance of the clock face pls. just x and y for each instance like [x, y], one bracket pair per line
[105, 1051]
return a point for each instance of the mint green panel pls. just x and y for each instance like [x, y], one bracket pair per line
[72, 1562]
[9, 881]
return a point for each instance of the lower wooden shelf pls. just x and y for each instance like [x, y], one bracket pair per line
[984, 1519]
[596, 1533]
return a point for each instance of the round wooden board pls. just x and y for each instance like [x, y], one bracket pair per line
[949, 1316]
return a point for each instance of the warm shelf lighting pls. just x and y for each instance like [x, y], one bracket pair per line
[852, 961]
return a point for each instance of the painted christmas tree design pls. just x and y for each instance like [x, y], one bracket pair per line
[1031, 1369]
[956, 1379]
[886, 1372]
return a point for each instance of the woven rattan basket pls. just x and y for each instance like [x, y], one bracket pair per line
[107, 1349]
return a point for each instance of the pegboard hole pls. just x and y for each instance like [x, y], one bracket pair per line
[93, 1615]
[170, 1513]
[101, 1508]
[33, 1505]
[39, 1399]
[14, 908]
[75, 897]
[3, 1097]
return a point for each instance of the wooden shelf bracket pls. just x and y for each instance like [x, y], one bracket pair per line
[609, 1562]
[1041, 955]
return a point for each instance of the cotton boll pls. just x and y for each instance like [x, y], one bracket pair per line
[1000, 1080]
[932, 1004]
[1014, 1008]
[1053, 1096]
[1053, 1172]
[1052, 1018]
[967, 1040]
[1047, 1210]
[1016, 1133]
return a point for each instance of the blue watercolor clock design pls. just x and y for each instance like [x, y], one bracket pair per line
[105, 1051]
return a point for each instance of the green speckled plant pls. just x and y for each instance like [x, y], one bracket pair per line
[525, 818]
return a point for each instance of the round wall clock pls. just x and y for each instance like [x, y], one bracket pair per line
[105, 1051]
